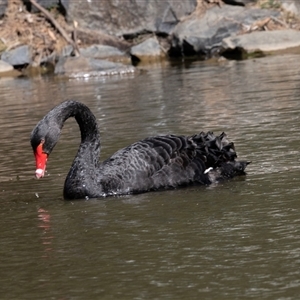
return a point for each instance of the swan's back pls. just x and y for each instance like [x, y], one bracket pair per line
[165, 162]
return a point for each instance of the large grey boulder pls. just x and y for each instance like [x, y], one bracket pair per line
[129, 17]
[204, 33]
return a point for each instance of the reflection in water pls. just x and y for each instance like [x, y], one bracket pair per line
[235, 240]
[47, 235]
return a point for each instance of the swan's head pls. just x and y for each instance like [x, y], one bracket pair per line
[43, 139]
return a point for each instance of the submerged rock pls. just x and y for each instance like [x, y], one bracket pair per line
[89, 67]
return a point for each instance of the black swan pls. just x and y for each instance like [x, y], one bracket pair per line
[159, 162]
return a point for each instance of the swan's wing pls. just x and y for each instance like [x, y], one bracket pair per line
[148, 164]
[162, 162]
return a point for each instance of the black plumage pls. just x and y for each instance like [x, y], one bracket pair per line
[158, 162]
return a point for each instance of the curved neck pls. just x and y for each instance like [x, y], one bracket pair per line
[84, 117]
[89, 149]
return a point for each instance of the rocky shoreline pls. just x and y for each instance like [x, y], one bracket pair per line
[81, 39]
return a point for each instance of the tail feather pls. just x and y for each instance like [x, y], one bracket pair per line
[215, 150]
[219, 156]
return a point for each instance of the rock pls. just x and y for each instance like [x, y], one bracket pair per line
[18, 57]
[101, 51]
[98, 37]
[5, 67]
[94, 51]
[129, 17]
[106, 52]
[7, 70]
[263, 41]
[147, 50]
[48, 3]
[203, 34]
[3, 6]
[89, 67]
[45, 3]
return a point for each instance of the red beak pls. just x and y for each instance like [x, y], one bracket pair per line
[40, 160]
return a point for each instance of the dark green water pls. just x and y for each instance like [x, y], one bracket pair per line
[236, 240]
